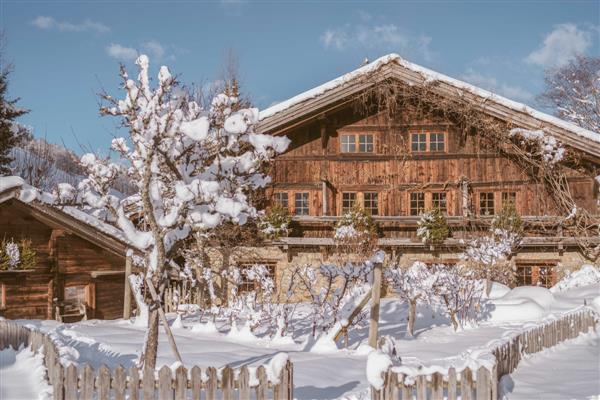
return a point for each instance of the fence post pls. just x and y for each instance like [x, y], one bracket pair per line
[375, 299]
[59, 393]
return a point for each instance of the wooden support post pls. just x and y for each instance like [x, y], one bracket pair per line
[375, 299]
[127, 294]
[163, 318]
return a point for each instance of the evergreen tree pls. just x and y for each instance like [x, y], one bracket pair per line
[11, 133]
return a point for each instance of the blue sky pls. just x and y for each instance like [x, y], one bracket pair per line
[65, 52]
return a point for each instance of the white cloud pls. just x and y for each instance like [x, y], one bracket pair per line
[121, 52]
[376, 36]
[154, 49]
[491, 83]
[560, 46]
[49, 23]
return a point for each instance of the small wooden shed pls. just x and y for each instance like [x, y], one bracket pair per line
[79, 270]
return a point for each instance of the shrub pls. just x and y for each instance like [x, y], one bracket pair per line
[275, 222]
[433, 227]
[356, 230]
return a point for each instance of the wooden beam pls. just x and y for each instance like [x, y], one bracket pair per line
[375, 300]
[127, 294]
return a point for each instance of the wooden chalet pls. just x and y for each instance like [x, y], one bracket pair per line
[346, 149]
[80, 261]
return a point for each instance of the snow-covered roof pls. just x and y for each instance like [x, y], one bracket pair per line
[428, 77]
[31, 195]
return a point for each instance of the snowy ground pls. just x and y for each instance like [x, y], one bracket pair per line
[22, 376]
[570, 370]
[336, 375]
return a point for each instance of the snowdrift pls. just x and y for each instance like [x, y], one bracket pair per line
[521, 304]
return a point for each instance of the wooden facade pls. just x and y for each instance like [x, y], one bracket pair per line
[399, 168]
[75, 263]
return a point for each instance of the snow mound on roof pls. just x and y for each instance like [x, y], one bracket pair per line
[588, 274]
[521, 304]
[429, 77]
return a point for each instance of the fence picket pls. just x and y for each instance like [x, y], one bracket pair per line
[120, 383]
[148, 384]
[211, 384]
[71, 383]
[452, 383]
[165, 379]
[244, 383]
[196, 382]
[466, 384]
[261, 389]
[103, 383]
[134, 383]
[227, 383]
[181, 383]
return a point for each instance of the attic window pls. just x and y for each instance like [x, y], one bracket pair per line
[425, 141]
[348, 143]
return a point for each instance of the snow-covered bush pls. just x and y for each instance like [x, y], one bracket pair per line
[333, 291]
[413, 284]
[488, 256]
[17, 256]
[588, 274]
[458, 293]
[433, 228]
[355, 231]
[275, 223]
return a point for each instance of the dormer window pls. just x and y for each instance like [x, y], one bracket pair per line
[362, 143]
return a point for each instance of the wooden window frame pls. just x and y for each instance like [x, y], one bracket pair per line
[353, 144]
[410, 201]
[479, 203]
[370, 208]
[507, 193]
[296, 203]
[244, 286]
[366, 144]
[520, 275]
[354, 201]
[445, 195]
[536, 267]
[357, 143]
[276, 199]
[428, 133]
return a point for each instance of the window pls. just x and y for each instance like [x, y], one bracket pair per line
[281, 198]
[545, 277]
[348, 144]
[438, 200]
[365, 143]
[417, 203]
[524, 276]
[428, 141]
[486, 203]
[418, 141]
[348, 201]
[437, 142]
[75, 293]
[509, 197]
[301, 204]
[248, 285]
[371, 203]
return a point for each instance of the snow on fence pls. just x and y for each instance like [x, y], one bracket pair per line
[185, 294]
[72, 383]
[482, 383]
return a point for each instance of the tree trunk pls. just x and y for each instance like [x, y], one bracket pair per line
[412, 315]
[151, 350]
[488, 287]
[454, 320]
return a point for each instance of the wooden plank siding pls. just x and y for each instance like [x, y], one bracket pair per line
[393, 171]
[63, 260]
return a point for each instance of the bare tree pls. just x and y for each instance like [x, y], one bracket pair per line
[573, 91]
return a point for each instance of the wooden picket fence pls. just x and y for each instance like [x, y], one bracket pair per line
[72, 383]
[482, 384]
